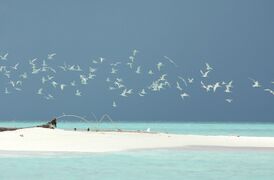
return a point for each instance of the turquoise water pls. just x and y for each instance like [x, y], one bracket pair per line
[152, 165]
[243, 129]
[174, 164]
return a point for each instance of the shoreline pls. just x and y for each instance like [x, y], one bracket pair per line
[43, 140]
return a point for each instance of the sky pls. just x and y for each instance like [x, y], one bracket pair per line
[235, 37]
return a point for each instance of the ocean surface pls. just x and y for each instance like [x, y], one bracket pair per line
[190, 164]
[198, 128]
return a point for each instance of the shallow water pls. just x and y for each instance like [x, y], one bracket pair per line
[157, 164]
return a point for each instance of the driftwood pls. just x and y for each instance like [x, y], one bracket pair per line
[51, 125]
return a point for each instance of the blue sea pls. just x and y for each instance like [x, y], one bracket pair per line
[159, 164]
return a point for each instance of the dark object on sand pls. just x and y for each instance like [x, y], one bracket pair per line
[75, 129]
[88, 129]
[51, 125]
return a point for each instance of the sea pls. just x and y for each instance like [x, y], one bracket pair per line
[157, 164]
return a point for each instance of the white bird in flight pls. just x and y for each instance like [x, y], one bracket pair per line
[50, 56]
[62, 86]
[50, 77]
[113, 71]
[124, 93]
[111, 88]
[101, 59]
[159, 66]
[216, 85]
[6, 91]
[15, 67]
[12, 83]
[78, 93]
[91, 76]
[19, 83]
[73, 83]
[183, 95]
[129, 91]
[204, 74]
[135, 51]
[92, 70]
[256, 83]
[190, 80]
[4, 57]
[44, 80]
[178, 86]
[207, 88]
[24, 75]
[163, 77]
[35, 71]
[94, 62]
[83, 79]
[3, 68]
[119, 80]
[228, 87]
[138, 70]
[118, 84]
[143, 91]
[270, 91]
[18, 89]
[49, 97]
[131, 58]
[208, 67]
[114, 104]
[171, 61]
[31, 62]
[54, 84]
[40, 91]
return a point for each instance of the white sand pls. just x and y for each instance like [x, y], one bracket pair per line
[56, 140]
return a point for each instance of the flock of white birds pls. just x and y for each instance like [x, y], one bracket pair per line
[14, 82]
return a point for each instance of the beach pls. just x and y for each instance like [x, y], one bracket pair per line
[58, 140]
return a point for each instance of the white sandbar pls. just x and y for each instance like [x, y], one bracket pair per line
[57, 140]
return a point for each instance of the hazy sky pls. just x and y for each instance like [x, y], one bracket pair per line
[236, 37]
